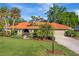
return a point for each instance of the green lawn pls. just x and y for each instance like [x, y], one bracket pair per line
[20, 47]
[77, 35]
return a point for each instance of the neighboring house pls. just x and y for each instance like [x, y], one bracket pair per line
[26, 27]
[76, 28]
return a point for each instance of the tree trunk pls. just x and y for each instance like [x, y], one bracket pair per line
[13, 24]
[5, 24]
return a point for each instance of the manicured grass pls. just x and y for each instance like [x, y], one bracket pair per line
[77, 35]
[19, 47]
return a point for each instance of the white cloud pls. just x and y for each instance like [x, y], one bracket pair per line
[45, 7]
[27, 18]
[76, 11]
[26, 11]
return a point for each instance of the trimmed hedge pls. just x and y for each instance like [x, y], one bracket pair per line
[70, 33]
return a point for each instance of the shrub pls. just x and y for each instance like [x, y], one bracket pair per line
[1, 33]
[33, 35]
[44, 32]
[70, 33]
[4, 33]
[7, 34]
[1, 29]
[13, 32]
[16, 37]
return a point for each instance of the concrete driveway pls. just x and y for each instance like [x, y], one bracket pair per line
[68, 42]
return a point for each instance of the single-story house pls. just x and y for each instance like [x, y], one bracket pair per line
[76, 28]
[23, 27]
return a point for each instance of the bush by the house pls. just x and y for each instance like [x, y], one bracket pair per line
[4, 33]
[1, 29]
[1, 33]
[16, 37]
[33, 35]
[44, 32]
[13, 32]
[7, 34]
[70, 33]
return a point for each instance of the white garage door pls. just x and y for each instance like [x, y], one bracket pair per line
[59, 32]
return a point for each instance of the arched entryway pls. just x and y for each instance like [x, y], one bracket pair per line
[25, 30]
[25, 33]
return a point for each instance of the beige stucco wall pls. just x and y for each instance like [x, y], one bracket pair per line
[56, 32]
[19, 32]
[31, 31]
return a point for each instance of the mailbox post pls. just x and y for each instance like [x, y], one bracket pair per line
[53, 40]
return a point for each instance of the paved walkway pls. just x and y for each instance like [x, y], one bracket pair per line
[68, 42]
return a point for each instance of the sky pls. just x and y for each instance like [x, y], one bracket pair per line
[39, 9]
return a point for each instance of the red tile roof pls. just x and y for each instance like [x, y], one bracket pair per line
[59, 26]
[22, 25]
[27, 25]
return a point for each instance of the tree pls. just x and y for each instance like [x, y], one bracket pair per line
[54, 13]
[60, 15]
[73, 19]
[15, 14]
[69, 19]
[33, 18]
[16, 21]
[37, 19]
[4, 12]
[1, 25]
[20, 20]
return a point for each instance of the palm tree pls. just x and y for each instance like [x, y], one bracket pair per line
[37, 19]
[15, 14]
[54, 13]
[0, 14]
[4, 12]
[33, 18]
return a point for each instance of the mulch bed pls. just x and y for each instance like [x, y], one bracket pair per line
[55, 52]
[43, 40]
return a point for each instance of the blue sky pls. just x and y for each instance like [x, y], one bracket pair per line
[38, 9]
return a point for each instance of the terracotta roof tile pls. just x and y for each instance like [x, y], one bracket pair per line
[26, 25]
[59, 26]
